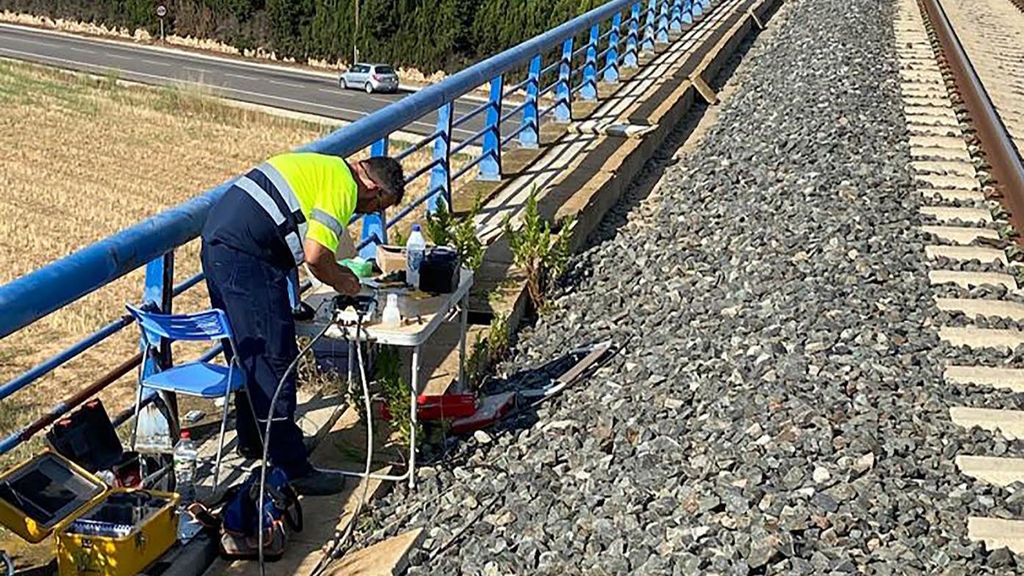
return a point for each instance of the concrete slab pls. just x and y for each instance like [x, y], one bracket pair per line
[940, 195]
[953, 214]
[944, 111]
[1005, 378]
[947, 167]
[960, 234]
[997, 533]
[976, 307]
[387, 558]
[994, 470]
[935, 152]
[981, 337]
[949, 181]
[967, 253]
[922, 129]
[945, 142]
[1009, 423]
[967, 279]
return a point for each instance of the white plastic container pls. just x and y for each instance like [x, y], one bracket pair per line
[186, 458]
[415, 248]
[391, 316]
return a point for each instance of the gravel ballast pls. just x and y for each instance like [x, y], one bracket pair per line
[778, 405]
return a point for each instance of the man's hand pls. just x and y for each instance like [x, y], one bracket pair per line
[322, 264]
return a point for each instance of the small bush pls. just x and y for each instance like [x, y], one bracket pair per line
[542, 254]
[488, 349]
[445, 229]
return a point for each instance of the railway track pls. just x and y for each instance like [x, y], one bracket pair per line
[962, 82]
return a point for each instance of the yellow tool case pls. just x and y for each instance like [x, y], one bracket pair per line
[97, 530]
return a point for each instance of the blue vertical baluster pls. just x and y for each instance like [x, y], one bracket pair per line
[588, 91]
[563, 92]
[530, 136]
[490, 166]
[697, 9]
[705, 5]
[611, 70]
[632, 37]
[663, 22]
[441, 174]
[676, 23]
[374, 224]
[648, 43]
[687, 14]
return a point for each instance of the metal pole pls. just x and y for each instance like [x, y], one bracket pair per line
[355, 38]
[530, 136]
[490, 165]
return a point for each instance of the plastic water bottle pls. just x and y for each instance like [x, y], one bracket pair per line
[415, 248]
[391, 316]
[185, 459]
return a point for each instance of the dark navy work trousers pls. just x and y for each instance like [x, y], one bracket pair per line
[254, 294]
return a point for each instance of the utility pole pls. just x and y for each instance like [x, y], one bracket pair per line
[355, 38]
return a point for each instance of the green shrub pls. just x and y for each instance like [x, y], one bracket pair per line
[542, 254]
[445, 229]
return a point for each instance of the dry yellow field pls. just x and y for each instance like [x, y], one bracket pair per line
[84, 158]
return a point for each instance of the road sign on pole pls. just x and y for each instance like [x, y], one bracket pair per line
[161, 11]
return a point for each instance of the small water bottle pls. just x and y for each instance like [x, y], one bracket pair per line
[415, 248]
[185, 459]
[391, 316]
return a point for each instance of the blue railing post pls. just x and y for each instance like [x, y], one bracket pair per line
[563, 92]
[705, 5]
[611, 70]
[530, 136]
[490, 165]
[687, 14]
[159, 289]
[697, 9]
[441, 174]
[588, 91]
[676, 23]
[648, 43]
[633, 36]
[373, 224]
[663, 22]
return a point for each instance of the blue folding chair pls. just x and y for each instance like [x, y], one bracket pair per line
[201, 379]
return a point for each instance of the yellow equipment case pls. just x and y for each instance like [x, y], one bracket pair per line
[97, 530]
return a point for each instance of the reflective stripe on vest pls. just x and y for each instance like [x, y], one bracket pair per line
[293, 225]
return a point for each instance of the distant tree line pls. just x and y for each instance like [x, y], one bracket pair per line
[427, 35]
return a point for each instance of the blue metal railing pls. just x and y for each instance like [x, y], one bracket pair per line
[611, 37]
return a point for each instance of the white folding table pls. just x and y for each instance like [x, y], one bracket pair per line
[422, 315]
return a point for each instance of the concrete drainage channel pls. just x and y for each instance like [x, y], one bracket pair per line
[976, 266]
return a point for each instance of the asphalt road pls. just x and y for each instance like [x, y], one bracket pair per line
[269, 86]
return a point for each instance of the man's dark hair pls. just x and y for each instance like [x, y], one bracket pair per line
[387, 173]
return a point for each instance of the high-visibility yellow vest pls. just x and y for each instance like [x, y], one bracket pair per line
[308, 195]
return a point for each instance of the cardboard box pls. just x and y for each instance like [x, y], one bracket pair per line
[390, 258]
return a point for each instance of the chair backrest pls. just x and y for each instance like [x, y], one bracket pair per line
[207, 325]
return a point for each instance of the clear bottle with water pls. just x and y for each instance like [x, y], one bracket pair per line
[415, 248]
[186, 458]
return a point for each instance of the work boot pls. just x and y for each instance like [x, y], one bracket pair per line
[319, 483]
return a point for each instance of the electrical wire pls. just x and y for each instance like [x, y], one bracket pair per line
[266, 440]
[327, 558]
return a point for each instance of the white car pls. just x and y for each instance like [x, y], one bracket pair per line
[369, 77]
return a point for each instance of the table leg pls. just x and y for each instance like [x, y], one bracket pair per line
[414, 390]
[463, 325]
[351, 364]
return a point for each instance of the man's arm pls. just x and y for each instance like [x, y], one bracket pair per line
[322, 264]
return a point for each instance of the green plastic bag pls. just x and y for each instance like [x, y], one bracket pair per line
[361, 268]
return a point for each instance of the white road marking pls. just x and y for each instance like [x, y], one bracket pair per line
[154, 62]
[292, 84]
[83, 50]
[242, 76]
[119, 56]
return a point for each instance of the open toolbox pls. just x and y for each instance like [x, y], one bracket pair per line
[97, 530]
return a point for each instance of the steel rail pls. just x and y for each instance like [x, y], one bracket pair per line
[1002, 155]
